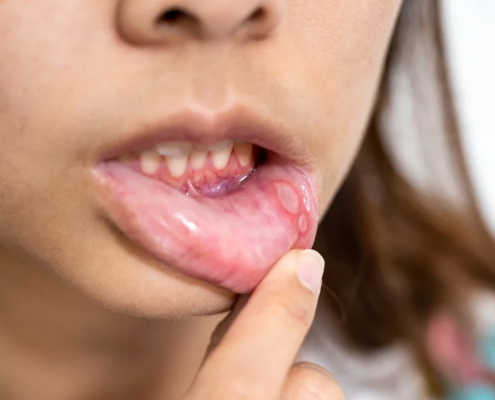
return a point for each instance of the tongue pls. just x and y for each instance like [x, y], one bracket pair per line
[230, 241]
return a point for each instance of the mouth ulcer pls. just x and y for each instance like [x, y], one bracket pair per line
[223, 212]
[200, 170]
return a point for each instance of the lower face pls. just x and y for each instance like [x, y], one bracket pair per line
[162, 175]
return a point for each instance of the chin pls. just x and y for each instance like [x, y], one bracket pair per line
[169, 298]
[120, 277]
[158, 293]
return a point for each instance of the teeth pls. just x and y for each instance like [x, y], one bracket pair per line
[179, 155]
[222, 145]
[174, 149]
[221, 157]
[150, 161]
[244, 152]
[177, 165]
[198, 159]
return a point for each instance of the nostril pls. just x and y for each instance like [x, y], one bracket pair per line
[171, 16]
[257, 15]
[170, 22]
[259, 23]
[177, 17]
[174, 16]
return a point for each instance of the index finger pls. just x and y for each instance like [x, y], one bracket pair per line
[260, 346]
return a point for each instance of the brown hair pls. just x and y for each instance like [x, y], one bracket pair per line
[397, 249]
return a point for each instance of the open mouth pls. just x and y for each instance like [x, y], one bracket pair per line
[222, 212]
[198, 170]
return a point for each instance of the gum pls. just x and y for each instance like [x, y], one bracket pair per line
[230, 241]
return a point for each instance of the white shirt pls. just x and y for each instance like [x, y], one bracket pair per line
[387, 374]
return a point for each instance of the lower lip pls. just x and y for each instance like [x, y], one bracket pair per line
[230, 241]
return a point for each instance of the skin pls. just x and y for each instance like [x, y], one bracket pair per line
[79, 75]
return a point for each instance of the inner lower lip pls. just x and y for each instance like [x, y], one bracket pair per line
[230, 239]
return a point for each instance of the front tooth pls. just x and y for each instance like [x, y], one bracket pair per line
[198, 159]
[174, 149]
[150, 161]
[222, 145]
[244, 153]
[221, 158]
[177, 165]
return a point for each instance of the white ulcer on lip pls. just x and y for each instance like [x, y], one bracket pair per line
[181, 156]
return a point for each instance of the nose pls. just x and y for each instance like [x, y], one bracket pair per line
[175, 21]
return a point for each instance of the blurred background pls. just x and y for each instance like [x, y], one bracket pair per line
[470, 28]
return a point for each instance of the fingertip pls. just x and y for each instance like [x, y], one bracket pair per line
[306, 266]
[310, 381]
[310, 269]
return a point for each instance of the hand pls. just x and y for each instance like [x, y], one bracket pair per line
[254, 348]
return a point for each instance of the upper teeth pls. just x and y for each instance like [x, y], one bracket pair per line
[221, 155]
[174, 149]
[178, 155]
[150, 161]
[186, 148]
[198, 159]
[177, 165]
[218, 146]
[244, 152]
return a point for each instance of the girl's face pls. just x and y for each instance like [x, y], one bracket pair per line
[85, 81]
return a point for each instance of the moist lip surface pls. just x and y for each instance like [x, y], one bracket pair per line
[231, 239]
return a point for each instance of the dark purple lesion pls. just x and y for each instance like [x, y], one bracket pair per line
[222, 186]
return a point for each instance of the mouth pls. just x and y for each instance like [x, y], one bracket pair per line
[218, 199]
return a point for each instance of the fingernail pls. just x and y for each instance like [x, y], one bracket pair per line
[310, 270]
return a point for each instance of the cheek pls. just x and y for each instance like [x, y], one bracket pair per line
[343, 44]
[31, 63]
[39, 43]
[45, 48]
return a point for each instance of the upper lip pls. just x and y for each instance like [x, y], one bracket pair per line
[237, 123]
